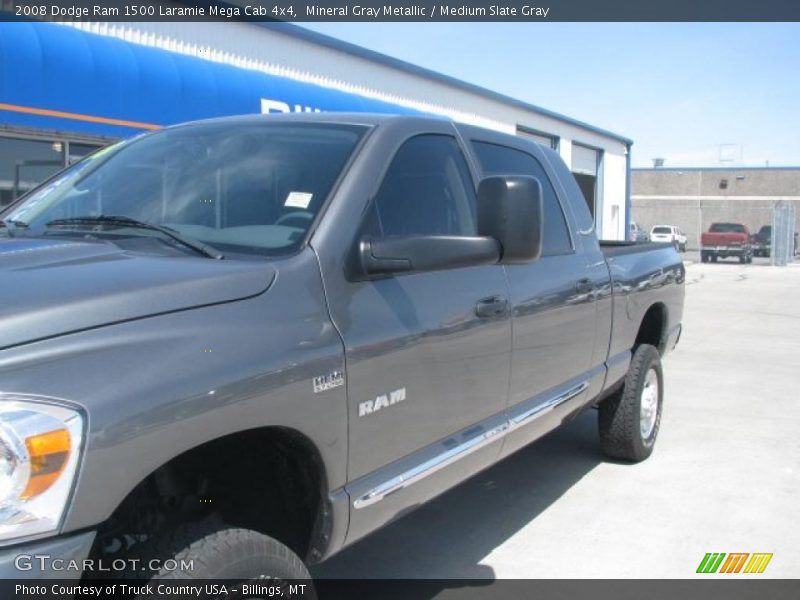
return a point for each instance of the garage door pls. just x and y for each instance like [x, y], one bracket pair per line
[585, 163]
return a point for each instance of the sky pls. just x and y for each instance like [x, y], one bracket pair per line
[686, 92]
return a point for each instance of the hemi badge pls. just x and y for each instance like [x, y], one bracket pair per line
[328, 382]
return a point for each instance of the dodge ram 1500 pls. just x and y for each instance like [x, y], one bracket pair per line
[252, 341]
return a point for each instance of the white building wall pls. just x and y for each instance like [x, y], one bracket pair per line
[250, 46]
[565, 150]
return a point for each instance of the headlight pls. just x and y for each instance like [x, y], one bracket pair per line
[39, 451]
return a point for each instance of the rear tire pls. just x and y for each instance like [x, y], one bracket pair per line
[220, 552]
[629, 420]
[703, 257]
[713, 258]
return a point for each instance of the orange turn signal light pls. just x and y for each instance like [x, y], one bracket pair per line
[49, 454]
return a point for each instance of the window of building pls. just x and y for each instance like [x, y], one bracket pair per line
[427, 190]
[544, 139]
[77, 151]
[500, 160]
[25, 163]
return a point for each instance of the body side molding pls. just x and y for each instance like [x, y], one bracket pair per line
[448, 457]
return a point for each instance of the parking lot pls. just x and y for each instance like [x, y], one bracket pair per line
[725, 476]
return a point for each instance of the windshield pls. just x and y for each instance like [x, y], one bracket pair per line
[240, 187]
[727, 228]
[661, 230]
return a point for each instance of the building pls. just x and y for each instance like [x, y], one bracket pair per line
[693, 198]
[66, 89]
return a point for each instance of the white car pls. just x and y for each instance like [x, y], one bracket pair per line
[670, 234]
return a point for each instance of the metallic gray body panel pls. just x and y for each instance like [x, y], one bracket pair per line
[96, 283]
[64, 548]
[417, 331]
[156, 387]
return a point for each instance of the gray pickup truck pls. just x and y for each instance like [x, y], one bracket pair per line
[228, 349]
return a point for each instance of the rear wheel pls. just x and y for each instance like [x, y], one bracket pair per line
[714, 258]
[704, 257]
[629, 420]
[742, 259]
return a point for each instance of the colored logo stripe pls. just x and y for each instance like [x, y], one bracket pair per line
[734, 562]
[758, 563]
[713, 562]
[710, 562]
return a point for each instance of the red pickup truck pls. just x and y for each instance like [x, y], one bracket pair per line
[726, 239]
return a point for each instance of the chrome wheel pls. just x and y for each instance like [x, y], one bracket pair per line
[649, 404]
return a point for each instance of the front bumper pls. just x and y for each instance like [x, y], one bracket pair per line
[53, 558]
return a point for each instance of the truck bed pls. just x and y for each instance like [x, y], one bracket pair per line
[645, 276]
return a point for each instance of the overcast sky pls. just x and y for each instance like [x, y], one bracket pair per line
[678, 90]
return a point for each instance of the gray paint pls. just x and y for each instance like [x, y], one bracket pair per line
[65, 548]
[155, 384]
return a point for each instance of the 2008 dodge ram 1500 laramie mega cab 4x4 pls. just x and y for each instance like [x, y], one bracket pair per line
[252, 341]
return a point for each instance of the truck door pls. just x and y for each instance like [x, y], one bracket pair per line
[427, 353]
[553, 300]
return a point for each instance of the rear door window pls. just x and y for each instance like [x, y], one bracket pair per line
[502, 160]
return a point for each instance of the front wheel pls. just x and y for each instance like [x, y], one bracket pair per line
[629, 420]
[213, 551]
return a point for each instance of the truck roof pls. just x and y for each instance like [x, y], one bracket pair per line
[348, 118]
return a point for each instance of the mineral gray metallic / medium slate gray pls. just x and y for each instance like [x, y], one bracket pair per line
[284, 332]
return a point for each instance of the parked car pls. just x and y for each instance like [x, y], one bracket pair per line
[762, 241]
[252, 341]
[669, 234]
[637, 234]
[726, 239]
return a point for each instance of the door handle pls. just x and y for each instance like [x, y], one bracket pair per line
[584, 286]
[491, 306]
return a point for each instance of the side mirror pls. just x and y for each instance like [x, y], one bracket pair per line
[426, 253]
[510, 211]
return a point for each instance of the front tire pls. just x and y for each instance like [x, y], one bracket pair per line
[210, 550]
[629, 420]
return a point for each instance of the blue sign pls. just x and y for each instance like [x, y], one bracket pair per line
[59, 78]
